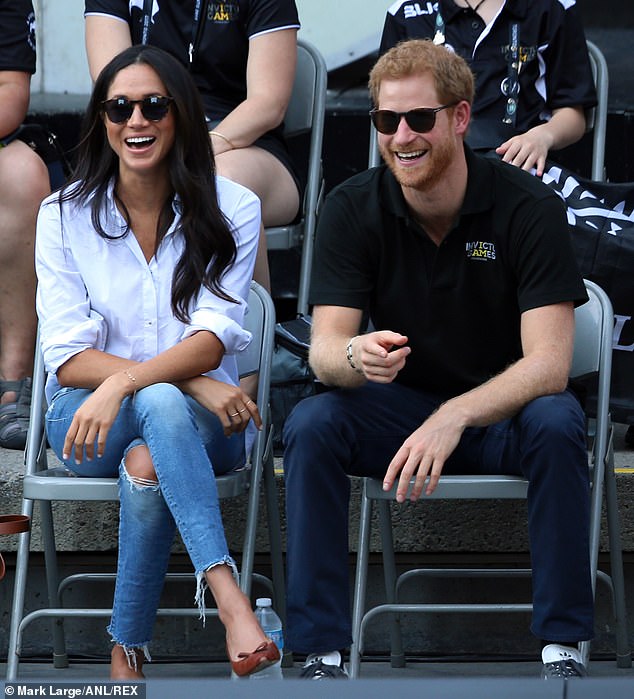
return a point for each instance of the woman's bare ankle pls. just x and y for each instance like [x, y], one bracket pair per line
[123, 667]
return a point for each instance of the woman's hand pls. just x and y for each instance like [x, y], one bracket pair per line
[231, 404]
[93, 420]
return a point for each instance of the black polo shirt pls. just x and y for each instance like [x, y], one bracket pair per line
[460, 303]
[17, 36]
[219, 65]
[555, 69]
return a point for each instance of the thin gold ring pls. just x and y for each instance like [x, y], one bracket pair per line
[234, 414]
[249, 401]
[243, 410]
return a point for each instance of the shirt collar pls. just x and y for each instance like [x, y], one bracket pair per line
[478, 197]
[114, 212]
[516, 8]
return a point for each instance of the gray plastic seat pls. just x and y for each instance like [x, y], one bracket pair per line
[306, 113]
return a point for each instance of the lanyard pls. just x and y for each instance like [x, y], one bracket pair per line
[147, 18]
[200, 11]
[511, 86]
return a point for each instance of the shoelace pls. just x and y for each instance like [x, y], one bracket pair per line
[319, 670]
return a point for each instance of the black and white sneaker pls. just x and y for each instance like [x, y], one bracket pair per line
[324, 666]
[562, 662]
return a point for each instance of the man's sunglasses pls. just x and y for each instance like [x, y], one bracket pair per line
[420, 120]
[119, 109]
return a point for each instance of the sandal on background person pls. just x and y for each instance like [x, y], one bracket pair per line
[14, 416]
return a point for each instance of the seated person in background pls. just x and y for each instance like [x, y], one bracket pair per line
[242, 57]
[24, 183]
[140, 349]
[530, 99]
[465, 267]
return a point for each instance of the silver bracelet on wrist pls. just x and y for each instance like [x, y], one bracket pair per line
[349, 356]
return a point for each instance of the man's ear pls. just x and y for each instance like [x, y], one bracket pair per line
[461, 116]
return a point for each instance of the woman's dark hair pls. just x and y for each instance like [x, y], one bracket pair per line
[206, 231]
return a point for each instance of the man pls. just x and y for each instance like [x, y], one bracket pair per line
[24, 182]
[464, 266]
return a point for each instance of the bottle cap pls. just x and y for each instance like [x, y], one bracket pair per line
[263, 602]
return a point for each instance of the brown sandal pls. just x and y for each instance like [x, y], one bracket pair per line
[12, 524]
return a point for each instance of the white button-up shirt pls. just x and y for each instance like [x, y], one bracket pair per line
[96, 293]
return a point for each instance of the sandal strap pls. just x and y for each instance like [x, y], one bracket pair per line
[11, 386]
[14, 524]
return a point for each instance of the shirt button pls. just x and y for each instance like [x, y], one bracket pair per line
[475, 25]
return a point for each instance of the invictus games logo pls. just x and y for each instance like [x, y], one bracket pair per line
[479, 250]
[223, 12]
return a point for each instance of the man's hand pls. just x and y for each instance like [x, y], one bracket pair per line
[423, 454]
[380, 355]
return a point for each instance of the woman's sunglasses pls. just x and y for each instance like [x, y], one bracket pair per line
[119, 109]
[420, 120]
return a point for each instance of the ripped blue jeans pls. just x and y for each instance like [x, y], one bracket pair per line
[188, 447]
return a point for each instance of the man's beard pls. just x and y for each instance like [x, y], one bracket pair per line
[429, 173]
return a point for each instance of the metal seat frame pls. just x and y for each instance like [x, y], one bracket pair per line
[306, 113]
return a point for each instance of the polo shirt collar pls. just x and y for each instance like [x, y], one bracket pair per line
[478, 197]
[516, 8]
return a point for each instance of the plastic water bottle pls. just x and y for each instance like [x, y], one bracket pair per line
[272, 626]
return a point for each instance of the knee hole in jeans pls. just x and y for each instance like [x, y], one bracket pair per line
[139, 468]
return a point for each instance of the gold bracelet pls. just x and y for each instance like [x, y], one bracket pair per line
[133, 379]
[223, 137]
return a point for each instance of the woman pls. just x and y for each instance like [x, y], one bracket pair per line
[242, 57]
[144, 262]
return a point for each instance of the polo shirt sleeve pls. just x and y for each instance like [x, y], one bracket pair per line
[17, 37]
[119, 9]
[393, 28]
[569, 75]
[543, 256]
[341, 273]
[271, 15]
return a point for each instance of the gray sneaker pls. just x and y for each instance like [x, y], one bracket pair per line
[316, 669]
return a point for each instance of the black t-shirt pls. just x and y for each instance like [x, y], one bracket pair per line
[17, 36]
[554, 69]
[219, 64]
[460, 303]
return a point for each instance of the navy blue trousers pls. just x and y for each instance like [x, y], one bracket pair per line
[357, 432]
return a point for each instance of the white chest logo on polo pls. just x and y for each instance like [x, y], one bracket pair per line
[480, 250]
[419, 8]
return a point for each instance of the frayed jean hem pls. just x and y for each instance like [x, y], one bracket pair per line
[202, 586]
[129, 650]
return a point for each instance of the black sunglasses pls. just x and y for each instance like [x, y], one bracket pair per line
[119, 109]
[420, 120]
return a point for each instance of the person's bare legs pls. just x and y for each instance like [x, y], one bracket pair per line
[24, 182]
[264, 175]
[123, 667]
[243, 633]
